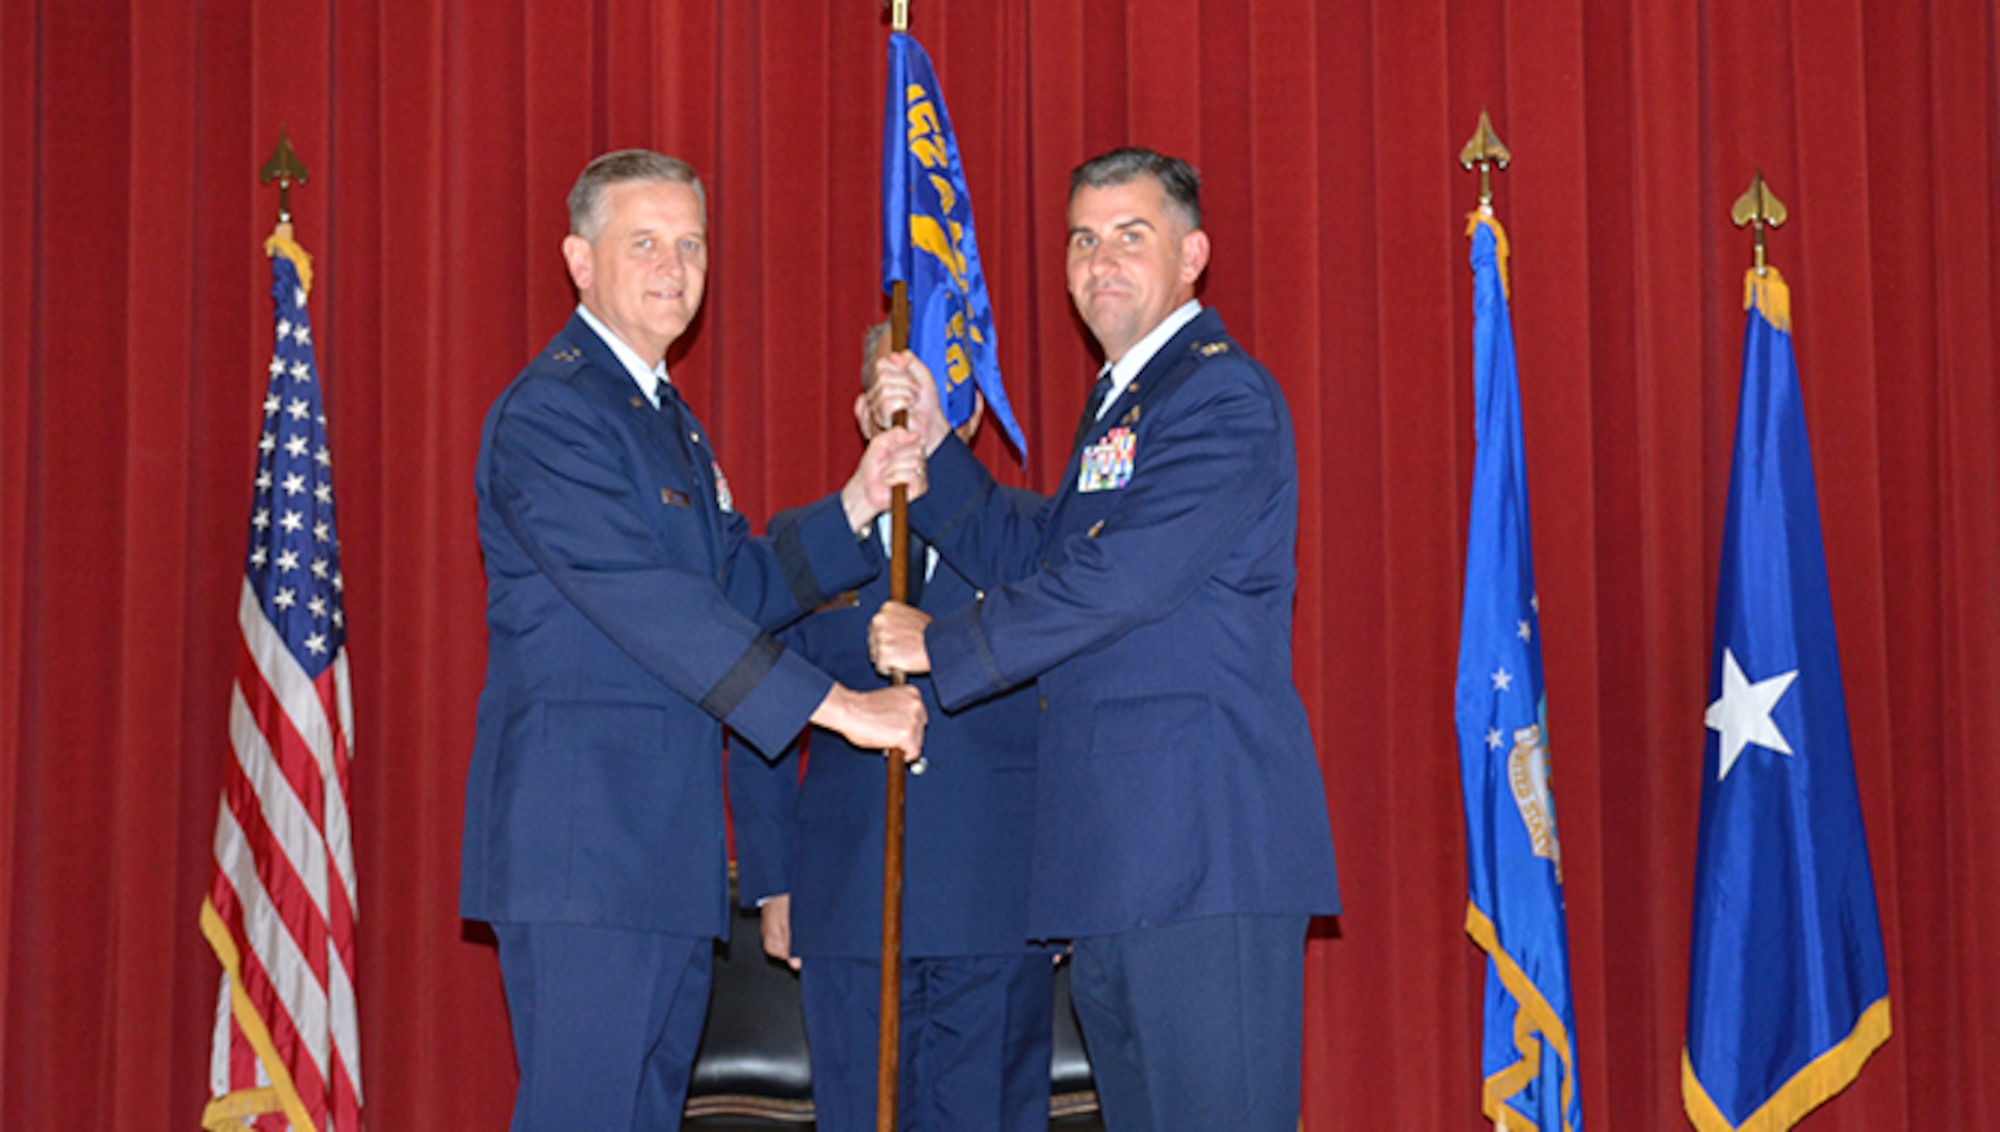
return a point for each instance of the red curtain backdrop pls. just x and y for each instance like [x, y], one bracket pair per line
[442, 136]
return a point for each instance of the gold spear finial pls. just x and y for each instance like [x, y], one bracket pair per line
[1758, 207]
[899, 15]
[1486, 151]
[284, 168]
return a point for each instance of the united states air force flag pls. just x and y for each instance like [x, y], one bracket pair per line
[928, 244]
[1788, 993]
[1514, 859]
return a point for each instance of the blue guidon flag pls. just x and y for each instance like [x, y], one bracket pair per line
[1514, 910]
[1788, 993]
[928, 243]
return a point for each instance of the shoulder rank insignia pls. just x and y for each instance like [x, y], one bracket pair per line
[1210, 349]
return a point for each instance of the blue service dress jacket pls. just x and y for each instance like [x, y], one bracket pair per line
[629, 617]
[968, 818]
[1150, 599]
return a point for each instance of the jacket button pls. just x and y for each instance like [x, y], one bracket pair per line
[1041, 703]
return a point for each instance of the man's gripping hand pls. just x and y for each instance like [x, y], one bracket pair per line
[904, 382]
[895, 458]
[887, 719]
[896, 639]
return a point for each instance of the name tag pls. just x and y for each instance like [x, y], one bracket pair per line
[1107, 464]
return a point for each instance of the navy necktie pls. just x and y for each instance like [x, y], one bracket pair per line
[1091, 408]
[913, 583]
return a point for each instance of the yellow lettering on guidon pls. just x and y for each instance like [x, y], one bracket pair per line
[928, 235]
[924, 140]
[946, 198]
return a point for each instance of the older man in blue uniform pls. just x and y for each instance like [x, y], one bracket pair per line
[1181, 833]
[976, 997]
[630, 616]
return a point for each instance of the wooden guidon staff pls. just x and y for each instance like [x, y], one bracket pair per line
[889, 1037]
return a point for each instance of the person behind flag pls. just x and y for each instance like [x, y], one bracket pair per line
[1514, 910]
[1181, 831]
[629, 618]
[976, 997]
[1788, 989]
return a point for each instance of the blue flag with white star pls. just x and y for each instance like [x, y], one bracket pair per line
[928, 243]
[1788, 994]
[1513, 855]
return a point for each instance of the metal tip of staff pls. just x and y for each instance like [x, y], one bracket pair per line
[1759, 208]
[285, 168]
[1485, 150]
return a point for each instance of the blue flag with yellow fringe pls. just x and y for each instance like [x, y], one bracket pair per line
[928, 243]
[1788, 992]
[1513, 855]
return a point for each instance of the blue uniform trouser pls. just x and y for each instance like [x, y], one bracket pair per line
[1195, 1026]
[606, 1024]
[974, 1051]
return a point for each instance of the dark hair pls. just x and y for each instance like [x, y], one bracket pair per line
[586, 198]
[1126, 164]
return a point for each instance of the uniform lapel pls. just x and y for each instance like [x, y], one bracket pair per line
[665, 430]
[1166, 369]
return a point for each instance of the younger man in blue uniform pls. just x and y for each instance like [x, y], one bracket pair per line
[1181, 834]
[976, 1006]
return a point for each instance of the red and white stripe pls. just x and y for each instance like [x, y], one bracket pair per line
[281, 909]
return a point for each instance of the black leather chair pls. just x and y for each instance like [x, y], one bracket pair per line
[752, 1074]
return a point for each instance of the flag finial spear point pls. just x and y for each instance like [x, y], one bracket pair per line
[1485, 151]
[1760, 208]
[285, 168]
[899, 15]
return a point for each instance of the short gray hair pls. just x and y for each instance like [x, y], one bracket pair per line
[586, 198]
[1126, 164]
[877, 338]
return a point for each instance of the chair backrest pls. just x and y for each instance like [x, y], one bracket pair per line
[753, 1063]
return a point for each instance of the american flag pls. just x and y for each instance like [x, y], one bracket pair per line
[280, 912]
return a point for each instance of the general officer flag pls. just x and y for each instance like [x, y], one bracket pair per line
[928, 243]
[281, 911]
[1788, 993]
[1513, 856]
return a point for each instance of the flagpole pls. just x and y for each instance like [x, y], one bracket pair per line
[285, 168]
[1484, 151]
[1758, 207]
[889, 1036]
